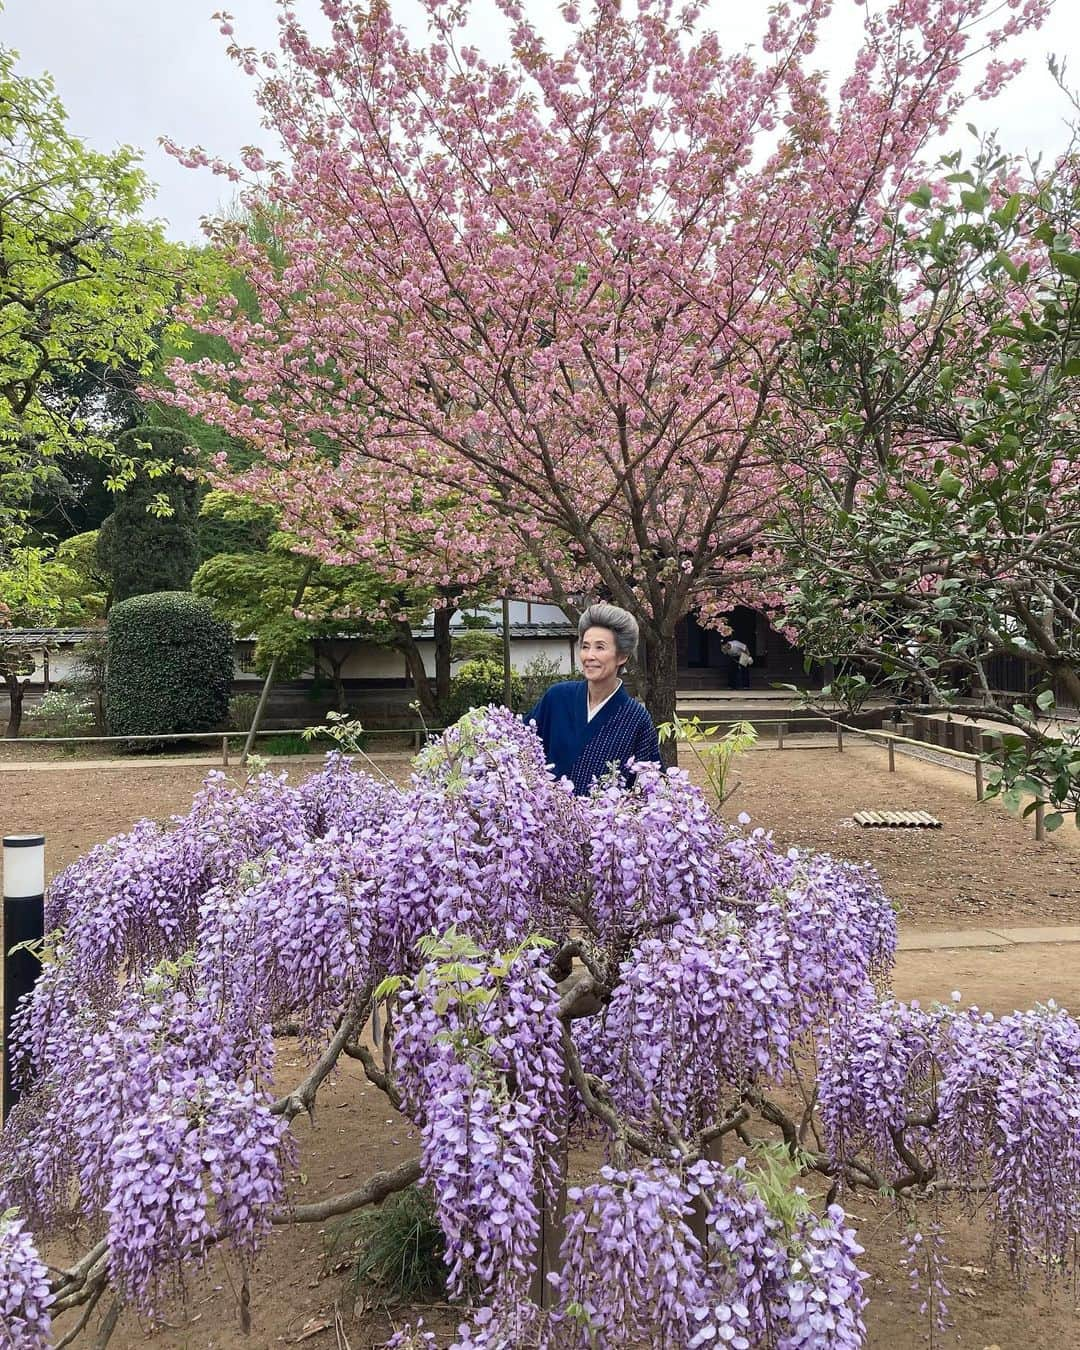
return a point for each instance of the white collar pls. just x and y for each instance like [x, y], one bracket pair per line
[590, 712]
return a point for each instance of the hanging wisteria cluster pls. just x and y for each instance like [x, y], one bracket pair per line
[622, 968]
[24, 1287]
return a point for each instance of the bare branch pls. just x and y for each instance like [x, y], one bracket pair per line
[373, 1192]
[302, 1097]
[375, 1075]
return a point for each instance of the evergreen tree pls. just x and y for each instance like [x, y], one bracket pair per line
[149, 543]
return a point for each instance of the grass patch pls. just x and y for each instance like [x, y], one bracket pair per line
[397, 1249]
[288, 743]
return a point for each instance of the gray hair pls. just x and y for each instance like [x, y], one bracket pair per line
[621, 623]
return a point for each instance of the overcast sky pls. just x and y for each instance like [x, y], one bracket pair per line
[129, 71]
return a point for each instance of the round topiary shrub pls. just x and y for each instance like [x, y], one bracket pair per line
[170, 666]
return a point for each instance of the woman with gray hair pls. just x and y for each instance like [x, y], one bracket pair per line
[588, 727]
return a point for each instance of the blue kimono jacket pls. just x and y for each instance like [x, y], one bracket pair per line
[582, 750]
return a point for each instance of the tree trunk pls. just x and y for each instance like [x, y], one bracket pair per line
[442, 653]
[340, 701]
[425, 692]
[260, 708]
[508, 674]
[16, 690]
[1067, 679]
[326, 663]
[268, 683]
[661, 679]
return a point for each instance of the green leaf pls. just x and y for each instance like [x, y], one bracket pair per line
[1054, 820]
[949, 484]
[1068, 264]
[919, 492]
[1046, 700]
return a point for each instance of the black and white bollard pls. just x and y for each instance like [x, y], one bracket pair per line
[24, 923]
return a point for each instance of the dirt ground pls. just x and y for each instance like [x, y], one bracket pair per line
[982, 868]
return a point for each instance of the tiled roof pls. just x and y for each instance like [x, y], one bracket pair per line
[46, 637]
[71, 637]
[517, 630]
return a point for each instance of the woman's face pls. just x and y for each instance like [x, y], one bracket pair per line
[600, 658]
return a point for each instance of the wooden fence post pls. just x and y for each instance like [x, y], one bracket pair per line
[892, 755]
[1040, 819]
[978, 780]
[840, 738]
[781, 727]
[225, 751]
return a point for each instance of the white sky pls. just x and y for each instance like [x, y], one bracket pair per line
[129, 71]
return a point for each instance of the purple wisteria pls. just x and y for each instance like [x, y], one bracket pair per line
[623, 970]
[25, 1295]
[482, 1075]
[634, 1269]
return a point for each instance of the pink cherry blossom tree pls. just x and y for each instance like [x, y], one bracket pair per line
[561, 287]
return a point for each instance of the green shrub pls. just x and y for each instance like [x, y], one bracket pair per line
[478, 683]
[537, 677]
[87, 678]
[170, 666]
[242, 711]
[399, 1248]
[476, 644]
[61, 712]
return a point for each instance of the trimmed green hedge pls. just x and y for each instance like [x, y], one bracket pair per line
[170, 666]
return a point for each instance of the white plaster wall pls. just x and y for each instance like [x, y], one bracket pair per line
[372, 661]
[367, 660]
[521, 611]
[522, 651]
[61, 665]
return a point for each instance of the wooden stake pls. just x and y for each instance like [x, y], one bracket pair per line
[1040, 820]
[892, 755]
[840, 738]
[781, 727]
[225, 751]
[978, 780]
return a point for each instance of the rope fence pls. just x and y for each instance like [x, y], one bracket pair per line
[890, 740]
[318, 744]
[419, 734]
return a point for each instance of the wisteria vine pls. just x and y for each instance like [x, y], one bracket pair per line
[622, 968]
